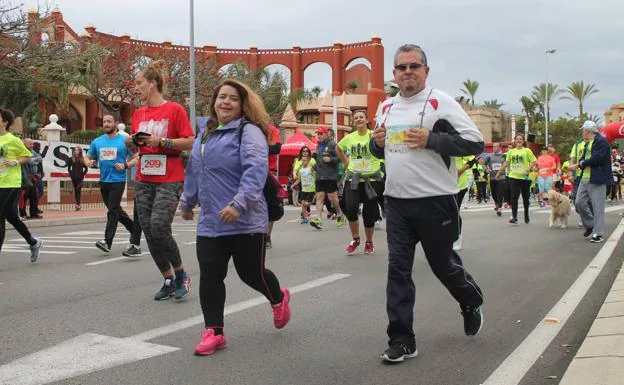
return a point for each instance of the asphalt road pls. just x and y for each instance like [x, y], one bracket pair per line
[81, 318]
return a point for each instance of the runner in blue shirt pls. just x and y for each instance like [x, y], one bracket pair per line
[110, 153]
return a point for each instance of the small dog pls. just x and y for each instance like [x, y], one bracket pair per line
[560, 208]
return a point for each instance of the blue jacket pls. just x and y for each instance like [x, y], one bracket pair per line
[232, 170]
[599, 161]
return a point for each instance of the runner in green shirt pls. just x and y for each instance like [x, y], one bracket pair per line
[520, 160]
[13, 154]
[363, 182]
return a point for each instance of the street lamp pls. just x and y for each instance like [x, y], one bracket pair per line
[550, 51]
[192, 68]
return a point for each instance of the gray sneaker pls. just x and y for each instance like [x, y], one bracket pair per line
[132, 251]
[34, 250]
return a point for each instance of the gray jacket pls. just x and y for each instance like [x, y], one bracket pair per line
[327, 171]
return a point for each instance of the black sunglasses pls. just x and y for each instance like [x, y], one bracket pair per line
[412, 66]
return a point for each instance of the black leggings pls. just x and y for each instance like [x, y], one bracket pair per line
[459, 198]
[370, 209]
[498, 191]
[112, 194]
[8, 212]
[248, 252]
[519, 187]
[77, 183]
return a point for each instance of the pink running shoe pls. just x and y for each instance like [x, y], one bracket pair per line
[353, 245]
[369, 248]
[210, 343]
[281, 311]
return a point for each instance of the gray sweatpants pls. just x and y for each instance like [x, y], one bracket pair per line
[594, 194]
[156, 207]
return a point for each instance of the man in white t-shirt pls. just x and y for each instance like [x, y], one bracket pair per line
[419, 132]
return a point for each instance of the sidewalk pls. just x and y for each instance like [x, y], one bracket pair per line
[600, 359]
[63, 217]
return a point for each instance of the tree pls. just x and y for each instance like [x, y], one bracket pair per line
[470, 89]
[563, 133]
[493, 104]
[579, 91]
[353, 85]
[316, 91]
[529, 105]
[541, 92]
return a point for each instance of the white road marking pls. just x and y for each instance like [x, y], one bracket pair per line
[294, 220]
[60, 238]
[43, 251]
[518, 363]
[607, 210]
[172, 328]
[191, 243]
[84, 354]
[90, 352]
[47, 246]
[107, 261]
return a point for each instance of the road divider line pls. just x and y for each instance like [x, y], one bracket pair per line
[106, 261]
[237, 307]
[519, 362]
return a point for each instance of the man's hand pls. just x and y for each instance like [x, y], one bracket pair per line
[150, 141]
[187, 215]
[119, 166]
[228, 214]
[416, 138]
[90, 163]
[379, 135]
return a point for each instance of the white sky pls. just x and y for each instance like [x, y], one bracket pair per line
[499, 43]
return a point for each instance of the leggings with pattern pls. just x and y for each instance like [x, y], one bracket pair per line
[156, 206]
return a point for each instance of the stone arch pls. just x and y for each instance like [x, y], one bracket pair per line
[358, 71]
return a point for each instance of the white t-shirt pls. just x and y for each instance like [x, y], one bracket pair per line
[421, 173]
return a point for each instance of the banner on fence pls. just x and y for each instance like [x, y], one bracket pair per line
[56, 159]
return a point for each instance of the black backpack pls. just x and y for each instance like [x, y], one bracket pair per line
[272, 187]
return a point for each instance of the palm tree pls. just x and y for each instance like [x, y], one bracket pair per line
[493, 104]
[541, 92]
[528, 107]
[295, 97]
[316, 91]
[579, 91]
[353, 85]
[470, 89]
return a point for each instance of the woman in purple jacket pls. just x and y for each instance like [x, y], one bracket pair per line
[226, 174]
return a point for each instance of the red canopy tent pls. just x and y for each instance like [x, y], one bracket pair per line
[294, 144]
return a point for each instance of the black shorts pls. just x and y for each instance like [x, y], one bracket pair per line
[306, 197]
[327, 186]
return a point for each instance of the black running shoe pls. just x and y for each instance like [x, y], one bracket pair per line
[473, 319]
[102, 245]
[166, 291]
[588, 232]
[526, 219]
[399, 351]
[596, 239]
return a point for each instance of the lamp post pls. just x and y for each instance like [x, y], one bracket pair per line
[550, 51]
[192, 68]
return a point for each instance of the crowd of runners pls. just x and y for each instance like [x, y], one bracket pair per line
[422, 161]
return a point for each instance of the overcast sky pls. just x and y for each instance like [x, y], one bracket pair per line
[498, 43]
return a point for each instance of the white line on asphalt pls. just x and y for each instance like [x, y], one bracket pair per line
[172, 328]
[607, 210]
[47, 246]
[2, 283]
[43, 251]
[294, 220]
[191, 243]
[60, 238]
[518, 363]
[106, 261]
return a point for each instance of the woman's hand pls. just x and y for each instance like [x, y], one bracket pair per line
[10, 162]
[229, 214]
[188, 215]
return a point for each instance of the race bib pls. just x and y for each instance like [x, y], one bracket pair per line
[362, 165]
[154, 164]
[543, 171]
[108, 153]
[496, 166]
[517, 167]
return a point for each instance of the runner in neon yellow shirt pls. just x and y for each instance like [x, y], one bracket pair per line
[464, 165]
[363, 182]
[520, 160]
[13, 154]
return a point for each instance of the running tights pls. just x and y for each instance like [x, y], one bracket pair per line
[519, 187]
